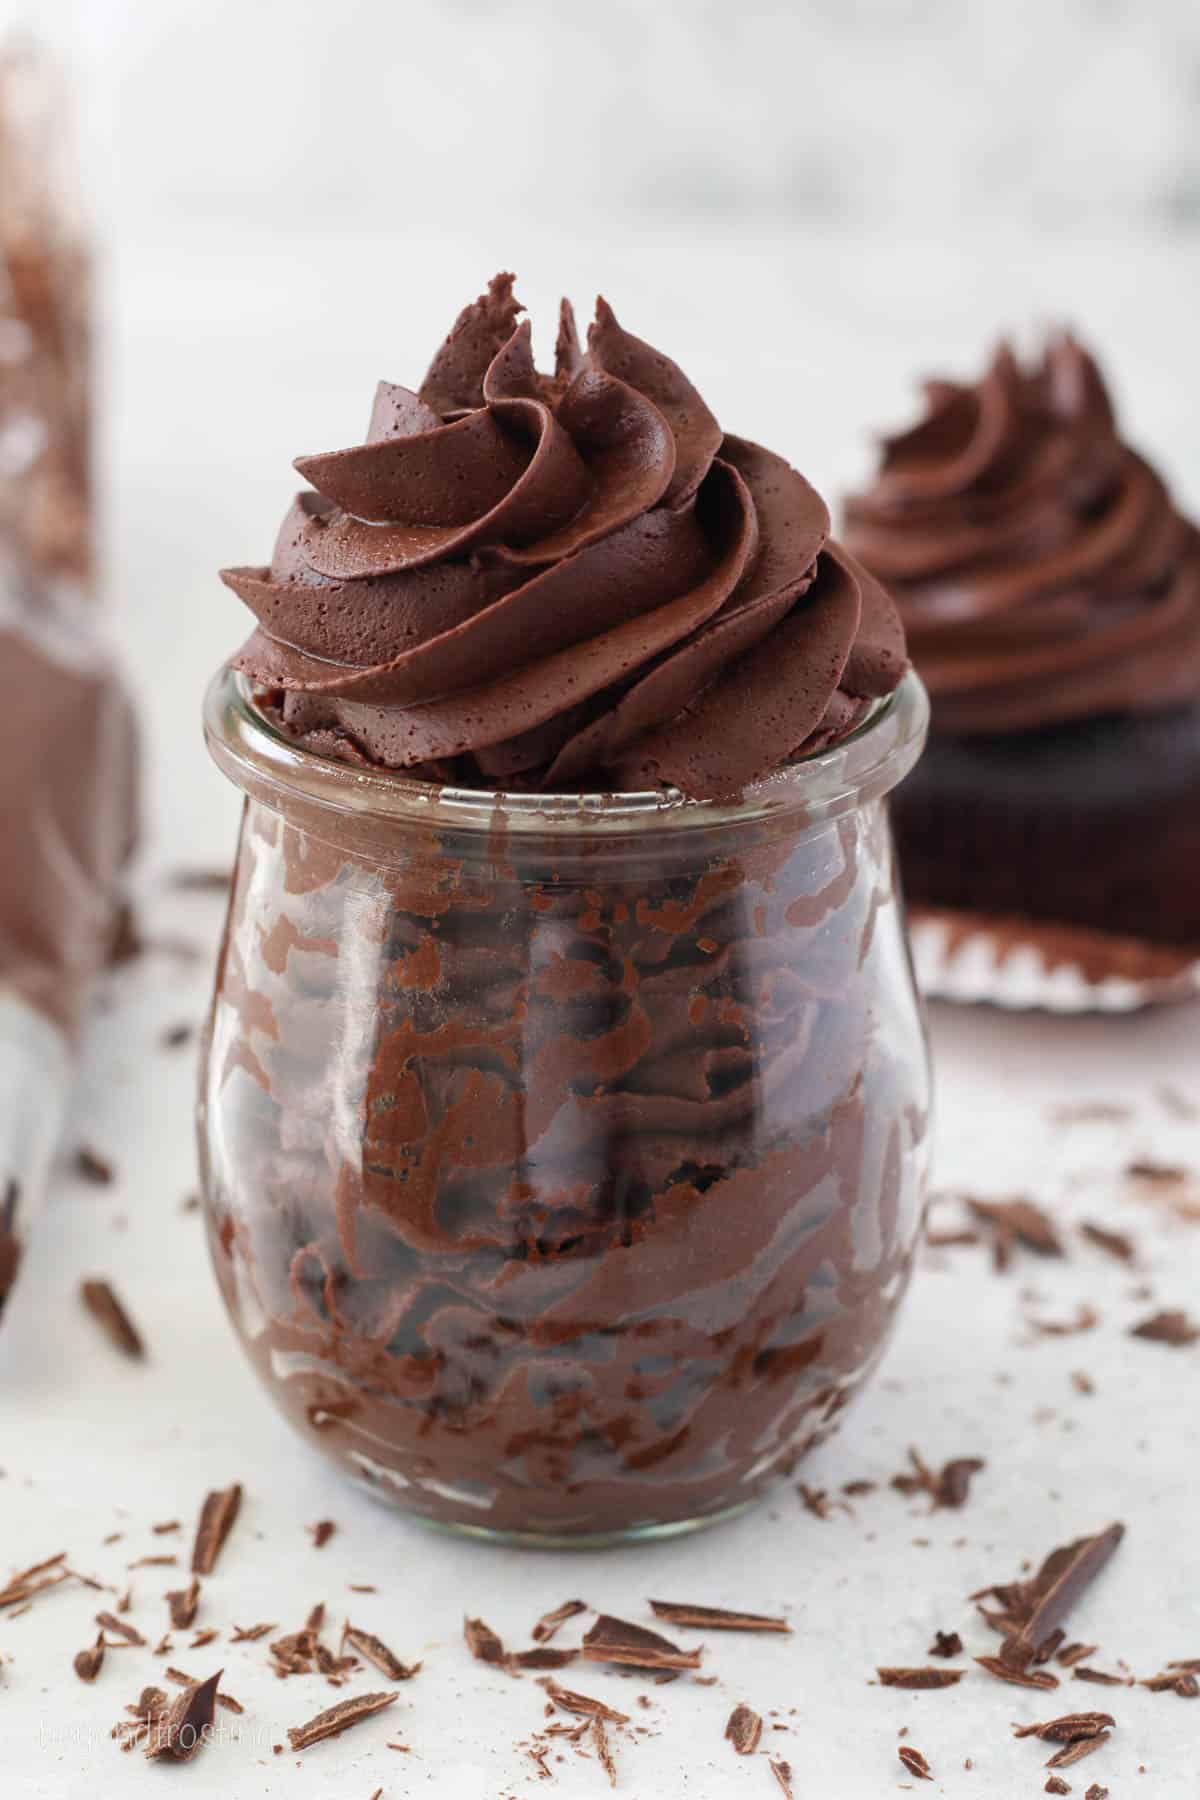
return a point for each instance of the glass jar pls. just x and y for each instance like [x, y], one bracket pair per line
[563, 1155]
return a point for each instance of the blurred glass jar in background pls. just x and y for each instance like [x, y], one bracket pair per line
[563, 1156]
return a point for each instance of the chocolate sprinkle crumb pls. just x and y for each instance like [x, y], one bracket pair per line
[549, 1622]
[612, 1640]
[336, 1719]
[946, 1643]
[743, 1728]
[482, 1641]
[322, 1531]
[919, 1679]
[1075, 1752]
[914, 1762]
[377, 1652]
[101, 1301]
[715, 1618]
[1173, 1328]
[217, 1517]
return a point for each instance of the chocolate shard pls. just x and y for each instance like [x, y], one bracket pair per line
[1068, 1727]
[182, 1604]
[180, 1730]
[1032, 1609]
[1076, 1751]
[1056, 1785]
[1070, 1654]
[743, 1728]
[946, 1643]
[322, 1531]
[919, 1678]
[583, 1706]
[1173, 1328]
[715, 1618]
[542, 1656]
[604, 1753]
[101, 1301]
[914, 1762]
[377, 1652]
[120, 1628]
[482, 1641]
[1114, 1243]
[336, 1719]
[948, 1487]
[617, 1641]
[88, 1663]
[1021, 1220]
[27, 1583]
[1101, 1677]
[782, 1771]
[217, 1517]
[1015, 1674]
[550, 1621]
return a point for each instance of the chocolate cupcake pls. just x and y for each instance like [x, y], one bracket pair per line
[1050, 590]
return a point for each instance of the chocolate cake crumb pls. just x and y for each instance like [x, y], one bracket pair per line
[1017, 1676]
[88, 1663]
[377, 1652]
[182, 1604]
[482, 1641]
[180, 1730]
[612, 1640]
[946, 1643]
[914, 1762]
[89, 1165]
[715, 1618]
[336, 1719]
[918, 1678]
[582, 1705]
[217, 1517]
[782, 1772]
[1077, 1750]
[101, 1301]
[743, 1728]
[603, 1751]
[550, 1621]
[1173, 1328]
[1116, 1243]
[322, 1531]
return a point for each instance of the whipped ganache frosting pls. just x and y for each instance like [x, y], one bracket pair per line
[562, 582]
[1041, 568]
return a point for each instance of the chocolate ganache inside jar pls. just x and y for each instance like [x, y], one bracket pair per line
[562, 581]
[563, 1152]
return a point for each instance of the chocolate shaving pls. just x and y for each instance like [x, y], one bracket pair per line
[249, 1634]
[743, 1728]
[1018, 1221]
[180, 1730]
[201, 881]
[377, 1652]
[549, 1622]
[1165, 1174]
[1070, 1654]
[1116, 1243]
[542, 1656]
[207, 1636]
[715, 1618]
[119, 1627]
[108, 1312]
[1015, 1674]
[153, 1562]
[217, 1516]
[88, 1663]
[1096, 1792]
[322, 1531]
[89, 1165]
[600, 1740]
[919, 1679]
[616, 1641]
[1067, 1728]
[1101, 1677]
[1173, 1328]
[1073, 1753]
[166, 1526]
[23, 1587]
[336, 1719]
[1048, 1646]
[176, 1036]
[482, 1641]
[782, 1771]
[182, 1604]
[914, 1762]
[951, 1240]
[1086, 1319]
[1032, 1609]
[946, 1643]
[948, 1488]
[581, 1705]
[1056, 1785]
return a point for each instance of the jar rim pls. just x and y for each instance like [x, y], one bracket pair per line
[258, 758]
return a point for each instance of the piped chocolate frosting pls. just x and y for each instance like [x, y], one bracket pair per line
[562, 581]
[1040, 566]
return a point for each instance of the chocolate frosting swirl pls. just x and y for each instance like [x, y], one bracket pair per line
[564, 581]
[1041, 569]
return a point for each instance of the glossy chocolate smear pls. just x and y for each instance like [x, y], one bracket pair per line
[569, 580]
[1039, 563]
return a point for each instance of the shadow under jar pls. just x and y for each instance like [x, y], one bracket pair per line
[564, 1156]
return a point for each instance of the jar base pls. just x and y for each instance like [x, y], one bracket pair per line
[509, 1537]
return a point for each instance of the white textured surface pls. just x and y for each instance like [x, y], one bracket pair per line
[230, 360]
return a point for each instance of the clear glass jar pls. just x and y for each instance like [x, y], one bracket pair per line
[564, 1156]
